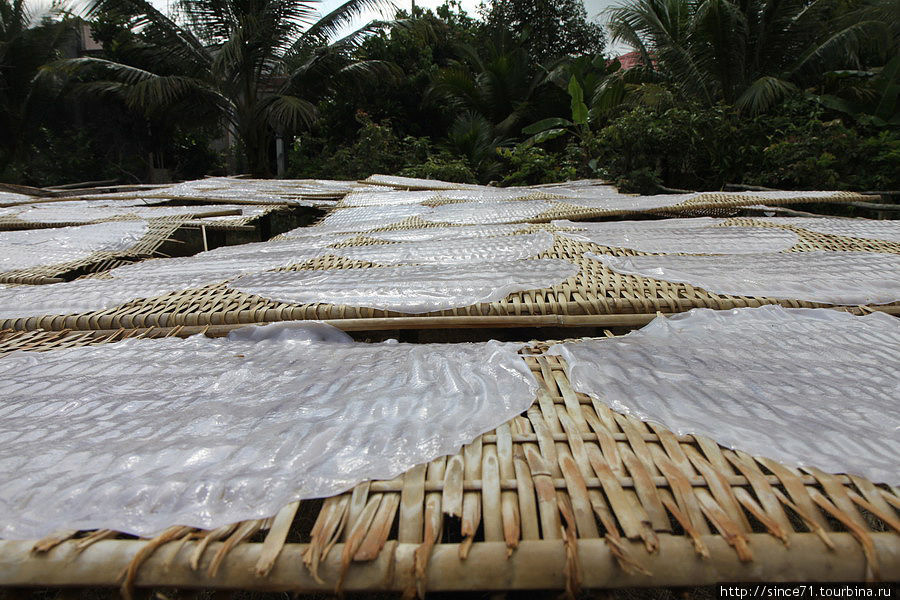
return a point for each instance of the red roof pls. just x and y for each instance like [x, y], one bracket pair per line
[630, 60]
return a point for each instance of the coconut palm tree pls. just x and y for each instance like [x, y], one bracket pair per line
[260, 65]
[749, 53]
[502, 84]
[27, 41]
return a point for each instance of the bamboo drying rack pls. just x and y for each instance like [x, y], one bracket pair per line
[11, 222]
[597, 297]
[568, 495]
[703, 204]
[159, 231]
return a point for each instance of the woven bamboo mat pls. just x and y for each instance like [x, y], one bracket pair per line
[703, 204]
[258, 213]
[597, 296]
[12, 222]
[159, 231]
[568, 495]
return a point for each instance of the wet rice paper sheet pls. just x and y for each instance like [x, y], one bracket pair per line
[827, 277]
[649, 224]
[34, 247]
[409, 289]
[800, 386]
[153, 278]
[206, 432]
[488, 213]
[888, 231]
[688, 240]
[445, 233]
[451, 251]
[370, 217]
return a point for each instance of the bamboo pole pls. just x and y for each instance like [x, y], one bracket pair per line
[536, 564]
[467, 322]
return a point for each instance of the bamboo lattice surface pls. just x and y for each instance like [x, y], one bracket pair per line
[596, 290]
[568, 494]
[158, 232]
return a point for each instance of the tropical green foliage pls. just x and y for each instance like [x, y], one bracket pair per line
[779, 93]
[257, 65]
[796, 147]
[549, 29]
[27, 41]
[750, 54]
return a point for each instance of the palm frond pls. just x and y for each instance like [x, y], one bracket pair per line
[157, 27]
[338, 19]
[764, 93]
[288, 114]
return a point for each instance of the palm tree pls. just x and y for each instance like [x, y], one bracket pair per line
[27, 42]
[260, 65]
[503, 86]
[749, 53]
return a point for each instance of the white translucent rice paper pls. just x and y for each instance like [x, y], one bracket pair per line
[411, 183]
[152, 278]
[645, 224]
[370, 217]
[452, 251]
[827, 277]
[492, 194]
[804, 387]
[408, 289]
[34, 247]
[206, 432]
[386, 197]
[389, 197]
[583, 189]
[689, 240]
[10, 197]
[622, 202]
[888, 231]
[444, 233]
[472, 213]
[76, 211]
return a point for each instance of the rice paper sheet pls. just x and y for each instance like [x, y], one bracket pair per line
[152, 278]
[10, 197]
[888, 231]
[452, 251]
[809, 387]
[77, 211]
[445, 233]
[206, 432]
[827, 277]
[647, 224]
[34, 247]
[473, 213]
[412, 183]
[408, 289]
[622, 202]
[700, 239]
[370, 217]
[387, 197]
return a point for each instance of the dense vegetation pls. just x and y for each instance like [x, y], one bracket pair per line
[777, 93]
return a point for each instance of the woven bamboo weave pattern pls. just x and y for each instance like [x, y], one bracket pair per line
[159, 232]
[568, 494]
[596, 290]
